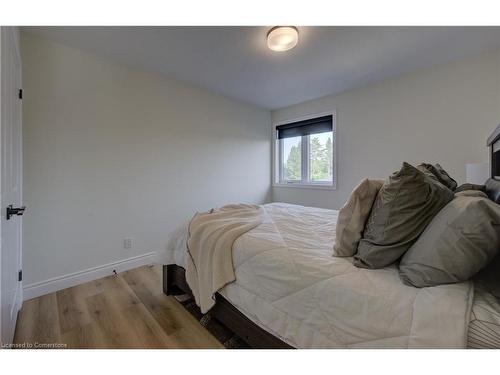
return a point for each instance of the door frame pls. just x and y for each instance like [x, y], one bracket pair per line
[12, 33]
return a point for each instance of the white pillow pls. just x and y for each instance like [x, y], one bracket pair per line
[353, 216]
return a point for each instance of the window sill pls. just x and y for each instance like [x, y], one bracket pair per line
[307, 186]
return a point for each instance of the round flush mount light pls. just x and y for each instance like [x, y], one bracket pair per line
[282, 38]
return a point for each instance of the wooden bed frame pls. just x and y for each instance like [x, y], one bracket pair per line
[174, 283]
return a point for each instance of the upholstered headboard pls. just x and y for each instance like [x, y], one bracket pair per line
[490, 274]
[492, 187]
[493, 183]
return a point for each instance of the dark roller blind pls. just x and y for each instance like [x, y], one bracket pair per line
[306, 127]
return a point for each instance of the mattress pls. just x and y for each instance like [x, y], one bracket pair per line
[288, 283]
[484, 326]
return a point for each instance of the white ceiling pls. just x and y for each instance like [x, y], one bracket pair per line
[235, 61]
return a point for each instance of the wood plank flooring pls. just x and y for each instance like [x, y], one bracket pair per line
[128, 310]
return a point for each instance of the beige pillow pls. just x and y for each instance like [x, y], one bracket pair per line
[353, 216]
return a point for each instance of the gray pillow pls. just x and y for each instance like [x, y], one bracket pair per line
[465, 187]
[405, 204]
[462, 239]
[489, 277]
[471, 193]
[440, 174]
[444, 176]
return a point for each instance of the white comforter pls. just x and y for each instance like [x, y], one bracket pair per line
[288, 283]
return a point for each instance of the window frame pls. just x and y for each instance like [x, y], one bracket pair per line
[278, 155]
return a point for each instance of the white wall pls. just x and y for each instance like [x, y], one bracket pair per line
[443, 114]
[111, 152]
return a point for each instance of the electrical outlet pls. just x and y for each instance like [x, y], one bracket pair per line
[127, 243]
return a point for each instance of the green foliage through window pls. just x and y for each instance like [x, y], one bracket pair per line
[293, 165]
[320, 161]
[320, 158]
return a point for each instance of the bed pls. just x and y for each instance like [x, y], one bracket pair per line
[290, 292]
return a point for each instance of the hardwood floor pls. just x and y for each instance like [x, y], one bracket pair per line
[128, 310]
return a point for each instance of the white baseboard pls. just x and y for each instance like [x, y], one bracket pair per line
[66, 281]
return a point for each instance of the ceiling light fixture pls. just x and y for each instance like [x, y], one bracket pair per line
[282, 38]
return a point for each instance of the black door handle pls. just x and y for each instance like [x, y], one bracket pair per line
[11, 211]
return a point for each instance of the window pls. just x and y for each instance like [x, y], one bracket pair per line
[305, 152]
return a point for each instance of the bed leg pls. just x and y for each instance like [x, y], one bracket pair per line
[165, 280]
[174, 280]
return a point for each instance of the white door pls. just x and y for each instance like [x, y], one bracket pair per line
[11, 182]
